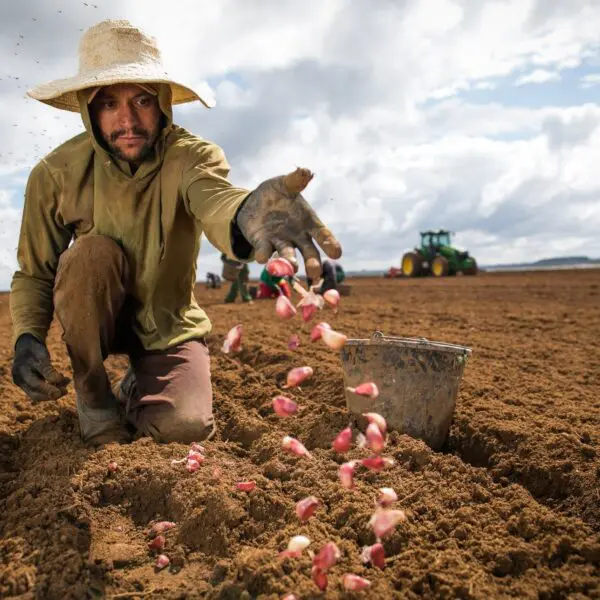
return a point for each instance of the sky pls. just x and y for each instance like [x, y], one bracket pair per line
[477, 116]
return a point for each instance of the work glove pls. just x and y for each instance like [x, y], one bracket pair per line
[276, 217]
[33, 372]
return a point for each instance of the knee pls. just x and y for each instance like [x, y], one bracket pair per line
[94, 252]
[185, 429]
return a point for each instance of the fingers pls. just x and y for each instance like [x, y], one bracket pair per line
[295, 182]
[263, 251]
[38, 389]
[312, 259]
[327, 241]
[53, 377]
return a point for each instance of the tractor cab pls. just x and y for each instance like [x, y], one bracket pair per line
[433, 241]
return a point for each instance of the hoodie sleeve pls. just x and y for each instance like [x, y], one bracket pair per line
[213, 201]
[42, 240]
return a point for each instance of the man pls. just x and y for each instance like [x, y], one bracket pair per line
[110, 236]
[238, 275]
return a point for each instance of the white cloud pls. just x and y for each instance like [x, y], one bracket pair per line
[371, 97]
[588, 81]
[538, 76]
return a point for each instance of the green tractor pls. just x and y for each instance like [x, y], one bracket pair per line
[436, 256]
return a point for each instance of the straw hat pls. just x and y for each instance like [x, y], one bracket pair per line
[114, 51]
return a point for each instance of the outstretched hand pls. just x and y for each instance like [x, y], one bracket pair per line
[276, 217]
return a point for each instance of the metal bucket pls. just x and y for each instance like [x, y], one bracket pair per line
[418, 383]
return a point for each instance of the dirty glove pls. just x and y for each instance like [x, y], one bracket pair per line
[33, 372]
[275, 216]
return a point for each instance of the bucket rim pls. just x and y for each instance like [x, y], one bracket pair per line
[378, 339]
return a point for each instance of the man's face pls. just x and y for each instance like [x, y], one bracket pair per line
[128, 119]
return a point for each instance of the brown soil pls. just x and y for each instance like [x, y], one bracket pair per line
[510, 509]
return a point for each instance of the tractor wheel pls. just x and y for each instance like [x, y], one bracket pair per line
[411, 264]
[471, 270]
[439, 267]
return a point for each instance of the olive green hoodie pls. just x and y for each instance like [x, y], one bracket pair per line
[157, 215]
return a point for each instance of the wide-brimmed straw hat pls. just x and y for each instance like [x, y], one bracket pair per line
[114, 51]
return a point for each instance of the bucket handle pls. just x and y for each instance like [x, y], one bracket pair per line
[378, 335]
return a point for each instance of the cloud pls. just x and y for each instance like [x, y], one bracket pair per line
[590, 80]
[538, 76]
[378, 99]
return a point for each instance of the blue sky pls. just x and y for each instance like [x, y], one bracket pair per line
[413, 115]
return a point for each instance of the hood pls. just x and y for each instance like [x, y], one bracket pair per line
[165, 96]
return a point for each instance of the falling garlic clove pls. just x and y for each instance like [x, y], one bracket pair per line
[284, 308]
[306, 508]
[332, 297]
[388, 496]
[343, 440]
[384, 521]
[315, 334]
[308, 312]
[280, 267]
[294, 342]
[377, 463]
[233, 340]
[327, 557]
[365, 389]
[378, 420]
[375, 438]
[284, 407]
[354, 582]
[333, 339]
[374, 555]
[162, 561]
[298, 543]
[346, 474]
[297, 375]
[245, 486]
[158, 543]
[294, 446]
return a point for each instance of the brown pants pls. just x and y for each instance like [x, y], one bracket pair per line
[168, 393]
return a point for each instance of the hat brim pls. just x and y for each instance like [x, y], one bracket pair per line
[62, 93]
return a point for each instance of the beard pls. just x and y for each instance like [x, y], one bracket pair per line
[145, 151]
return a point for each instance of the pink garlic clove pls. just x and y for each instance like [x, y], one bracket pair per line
[161, 527]
[319, 578]
[306, 508]
[383, 521]
[308, 312]
[365, 389]
[327, 557]
[377, 463]
[192, 466]
[158, 543]
[354, 582]
[233, 340]
[280, 267]
[294, 446]
[361, 440]
[298, 543]
[333, 339]
[332, 297]
[245, 486]
[346, 474]
[388, 496]
[374, 555]
[284, 407]
[315, 334]
[293, 342]
[284, 308]
[296, 376]
[162, 561]
[343, 441]
[375, 438]
[290, 597]
[112, 466]
[196, 447]
[193, 455]
[378, 420]
[217, 472]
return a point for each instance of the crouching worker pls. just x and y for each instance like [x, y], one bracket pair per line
[110, 236]
[271, 286]
[237, 273]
